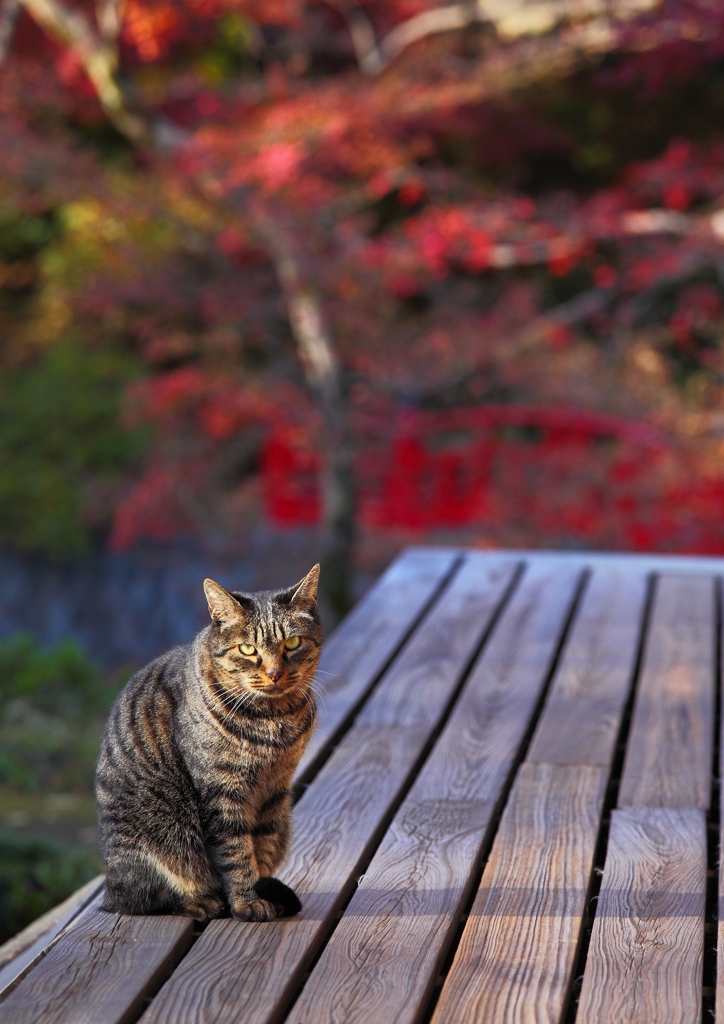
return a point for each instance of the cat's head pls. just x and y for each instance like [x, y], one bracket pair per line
[268, 642]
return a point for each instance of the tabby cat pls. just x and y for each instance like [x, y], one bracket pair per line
[196, 763]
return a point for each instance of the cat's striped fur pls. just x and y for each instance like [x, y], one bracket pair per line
[196, 763]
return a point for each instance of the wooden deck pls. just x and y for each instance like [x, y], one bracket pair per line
[508, 813]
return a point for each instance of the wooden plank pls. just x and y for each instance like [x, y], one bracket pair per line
[251, 970]
[101, 971]
[385, 954]
[359, 649]
[669, 751]
[518, 949]
[644, 962]
[371, 635]
[582, 716]
[27, 949]
[686, 565]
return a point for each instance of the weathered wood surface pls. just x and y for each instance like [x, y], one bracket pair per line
[644, 963]
[669, 751]
[358, 651]
[21, 953]
[518, 949]
[384, 956]
[582, 716]
[434, 695]
[639, 562]
[101, 972]
[252, 970]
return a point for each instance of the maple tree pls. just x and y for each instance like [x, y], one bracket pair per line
[304, 218]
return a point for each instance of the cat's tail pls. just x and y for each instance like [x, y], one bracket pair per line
[284, 899]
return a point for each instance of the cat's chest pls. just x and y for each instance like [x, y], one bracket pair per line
[257, 744]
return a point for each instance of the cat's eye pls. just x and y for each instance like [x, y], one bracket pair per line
[247, 649]
[292, 643]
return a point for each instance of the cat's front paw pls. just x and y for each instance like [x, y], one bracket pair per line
[205, 908]
[279, 894]
[255, 909]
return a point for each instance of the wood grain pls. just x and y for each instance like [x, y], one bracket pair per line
[20, 954]
[669, 751]
[250, 970]
[359, 649]
[644, 963]
[518, 949]
[385, 954]
[403, 651]
[101, 970]
[582, 716]
[658, 563]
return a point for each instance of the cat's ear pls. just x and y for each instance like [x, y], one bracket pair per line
[305, 592]
[223, 608]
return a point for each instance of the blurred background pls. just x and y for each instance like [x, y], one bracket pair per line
[286, 280]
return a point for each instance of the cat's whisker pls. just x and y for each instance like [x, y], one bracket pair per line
[324, 672]
[319, 689]
[229, 713]
[309, 698]
[233, 704]
[233, 711]
[228, 699]
[233, 695]
[232, 698]
[241, 701]
[311, 694]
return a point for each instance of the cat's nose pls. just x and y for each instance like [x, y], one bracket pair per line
[274, 672]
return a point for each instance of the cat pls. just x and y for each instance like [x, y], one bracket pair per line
[196, 763]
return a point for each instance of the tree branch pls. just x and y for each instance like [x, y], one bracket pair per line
[305, 313]
[325, 378]
[510, 19]
[8, 20]
[362, 34]
[99, 60]
[109, 15]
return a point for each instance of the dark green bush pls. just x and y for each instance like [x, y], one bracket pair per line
[62, 447]
[35, 875]
[53, 704]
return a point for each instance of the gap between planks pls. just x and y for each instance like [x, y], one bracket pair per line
[253, 927]
[518, 949]
[342, 816]
[384, 957]
[645, 958]
[30, 946]
[668, 757]
[377, 760]
[352, 667]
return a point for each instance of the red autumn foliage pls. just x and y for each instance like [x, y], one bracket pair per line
[502, 218]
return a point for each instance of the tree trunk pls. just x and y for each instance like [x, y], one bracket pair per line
[339, 509]
[325, 378]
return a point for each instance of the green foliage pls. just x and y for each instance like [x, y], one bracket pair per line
[53, 704]
[35, 875]
[60, 681]
[231, 51]
[23, 237]
[52, 708]
[60, 443]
